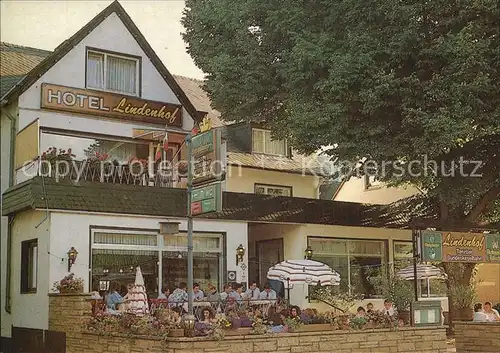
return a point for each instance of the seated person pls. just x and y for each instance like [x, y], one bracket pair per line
[228, 288]
[268, 293]
[164, 294]
[198, 294]
[369, 307]
[479, 315]
[360, 312]
[388, 308]
[179, 296]
[236, 293]
[253, 292]
[490, 312]
[114, 301]
[212, 295]
[295, 312]
[205, 323]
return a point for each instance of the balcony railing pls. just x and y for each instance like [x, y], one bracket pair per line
[133, 174]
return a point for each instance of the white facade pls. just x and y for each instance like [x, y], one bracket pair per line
[57, 231]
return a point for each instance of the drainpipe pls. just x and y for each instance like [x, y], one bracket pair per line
[11, 218]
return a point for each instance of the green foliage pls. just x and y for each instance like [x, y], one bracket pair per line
[386, 80]
[333, 296]
[393, 287]
[463, 296]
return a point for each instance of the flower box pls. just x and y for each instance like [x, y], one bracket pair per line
[241, 331]
[314, 328]
[176, 332]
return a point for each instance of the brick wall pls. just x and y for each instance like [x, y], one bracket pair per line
[419, 340]
[477, 337]
[67, 312]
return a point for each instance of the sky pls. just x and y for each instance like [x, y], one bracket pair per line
[46, 24]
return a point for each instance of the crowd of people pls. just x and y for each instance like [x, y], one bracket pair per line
[485, 313]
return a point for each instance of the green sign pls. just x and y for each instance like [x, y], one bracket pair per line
[426, 313]
[493, 247]
[206, 199]
[432, 246]
[207, 160]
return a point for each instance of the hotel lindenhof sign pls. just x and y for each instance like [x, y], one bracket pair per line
[108, 104]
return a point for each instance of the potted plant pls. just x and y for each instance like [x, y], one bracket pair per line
[397, 290]
[463, 298]
[69, 284]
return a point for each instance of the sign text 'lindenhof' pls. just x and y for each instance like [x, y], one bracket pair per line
[109, 104]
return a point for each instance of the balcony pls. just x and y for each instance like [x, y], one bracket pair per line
[137, 173]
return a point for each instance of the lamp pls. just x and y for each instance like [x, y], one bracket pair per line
[240, 252]
[188, 324]
[72, 255]
[308, 253]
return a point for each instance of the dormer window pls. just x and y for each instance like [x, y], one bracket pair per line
[113, 72]
[263, 143]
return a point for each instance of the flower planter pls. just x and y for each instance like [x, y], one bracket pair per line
[70, 291]
[405, 316]
[463, 314]
[315, 328]
[242, 331]
[177, 332]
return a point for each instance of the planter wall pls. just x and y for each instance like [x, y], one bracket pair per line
[474, 337]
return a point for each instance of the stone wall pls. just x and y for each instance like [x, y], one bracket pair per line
[68, 312]
[418, 340]
[477, 337]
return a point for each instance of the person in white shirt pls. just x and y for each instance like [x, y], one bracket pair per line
[197, 292]
[491, 313]
[227, 290]
[267, 293]
[479, 315]
[388, 308]
[253, 292]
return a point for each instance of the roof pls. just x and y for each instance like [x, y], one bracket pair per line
[46, 193]
[65, 47]
[328, 189]
[197, 95]
[297, 164]
[18, 60]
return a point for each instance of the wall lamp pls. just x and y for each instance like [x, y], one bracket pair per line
[240, 253]
[72, 255]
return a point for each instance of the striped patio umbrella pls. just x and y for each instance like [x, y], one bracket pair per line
[304, 271]
[424, 272]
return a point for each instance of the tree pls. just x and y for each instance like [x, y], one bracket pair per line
[387, 80]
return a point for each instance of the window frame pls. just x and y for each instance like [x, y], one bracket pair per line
[272, 186]
[385, 253]
[106, 53]
[159, 248]
[28, 264]
[265, 144]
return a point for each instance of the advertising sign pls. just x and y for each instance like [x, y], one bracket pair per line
[206, 149]
[109, 104]
[460, 247]
[206, 199]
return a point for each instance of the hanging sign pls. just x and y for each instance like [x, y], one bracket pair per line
[460, 247]
[206, 199]
[206, 152]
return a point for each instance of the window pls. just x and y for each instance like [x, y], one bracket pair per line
[117, 253]
[274, 190]
[29, 266]
[355, 260]
[263, 143]
[113, 73]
